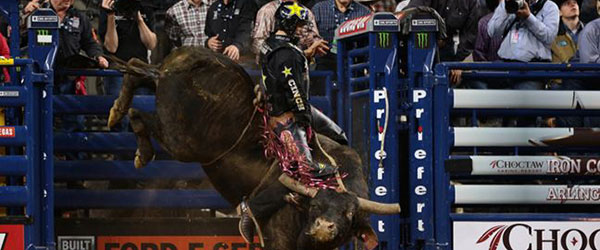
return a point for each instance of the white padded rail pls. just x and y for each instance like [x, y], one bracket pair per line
[533, 165]
[507, 137]
[526, 194]
[525, 99]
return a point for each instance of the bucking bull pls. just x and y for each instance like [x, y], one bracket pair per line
[205, 113]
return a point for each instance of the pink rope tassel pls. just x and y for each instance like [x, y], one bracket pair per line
[291, 161]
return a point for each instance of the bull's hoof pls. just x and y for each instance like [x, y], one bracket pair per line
[141, 161]
[114, 117]
[138, 162]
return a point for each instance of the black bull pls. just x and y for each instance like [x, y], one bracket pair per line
[204, 113]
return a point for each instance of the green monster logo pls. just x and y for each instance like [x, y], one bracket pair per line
[384, 40]
[422, 40]
[44, 34]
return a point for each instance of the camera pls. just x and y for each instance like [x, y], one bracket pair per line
[127, 8]
[512, 6]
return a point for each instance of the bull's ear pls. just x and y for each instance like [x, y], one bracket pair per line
[367, 235]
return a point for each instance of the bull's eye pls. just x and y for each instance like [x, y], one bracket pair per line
[314, 207]
[349, 215]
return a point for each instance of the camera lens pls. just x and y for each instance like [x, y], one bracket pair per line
[512, 6]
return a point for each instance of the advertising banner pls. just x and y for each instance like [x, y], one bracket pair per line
[526, 235]
[12, 237]
[174, 243]
[153, 243]
[525, 165]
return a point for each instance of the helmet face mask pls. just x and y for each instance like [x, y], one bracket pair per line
[289, 16]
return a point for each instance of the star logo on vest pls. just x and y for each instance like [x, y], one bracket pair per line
[295, 10]
[287, 71]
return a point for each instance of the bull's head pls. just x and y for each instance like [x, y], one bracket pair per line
[334, 216]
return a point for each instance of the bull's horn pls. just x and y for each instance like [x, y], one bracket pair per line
[377, 207]
[297, 186]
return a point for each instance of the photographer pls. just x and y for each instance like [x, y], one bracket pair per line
[528, 32]
[126, 31]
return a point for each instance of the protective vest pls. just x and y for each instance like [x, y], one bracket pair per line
[285, 91]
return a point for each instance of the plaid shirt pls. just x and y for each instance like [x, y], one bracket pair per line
[265, 24]
[185, 23]
[329, 17]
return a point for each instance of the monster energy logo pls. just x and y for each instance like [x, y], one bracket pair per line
[44, 37]
[43, 32]
[422, 40]
[384, 39]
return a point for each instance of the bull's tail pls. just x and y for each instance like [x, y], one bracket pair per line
[135, 67]
[136, 73]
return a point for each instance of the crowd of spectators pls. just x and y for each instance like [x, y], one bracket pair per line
[236, 28]
[559, 31]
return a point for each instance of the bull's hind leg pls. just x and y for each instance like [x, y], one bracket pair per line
[139, 73]
[144, 126]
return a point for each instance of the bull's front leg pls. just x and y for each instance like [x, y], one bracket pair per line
[138, 73]
[143, 125]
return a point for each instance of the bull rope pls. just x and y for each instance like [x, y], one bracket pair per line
[338, 177]
[237, 142]
[263, 181]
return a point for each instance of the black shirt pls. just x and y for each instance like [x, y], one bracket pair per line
[232, 22]
[75, 34]
[130, 43]
[285, 74]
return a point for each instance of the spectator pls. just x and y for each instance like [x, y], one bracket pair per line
[589, 52]
[185, 22]
[330, 14]
[461, 17]
[527, 37]
[4, 53]
[309, 39]
[75, 33]
[4, 27]
[588, 10]
[126, 34]
[564, 48]
[33, 5]
[373, 5]
[486, 47]
[486, 50]
[228, 26]
[589, 41]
